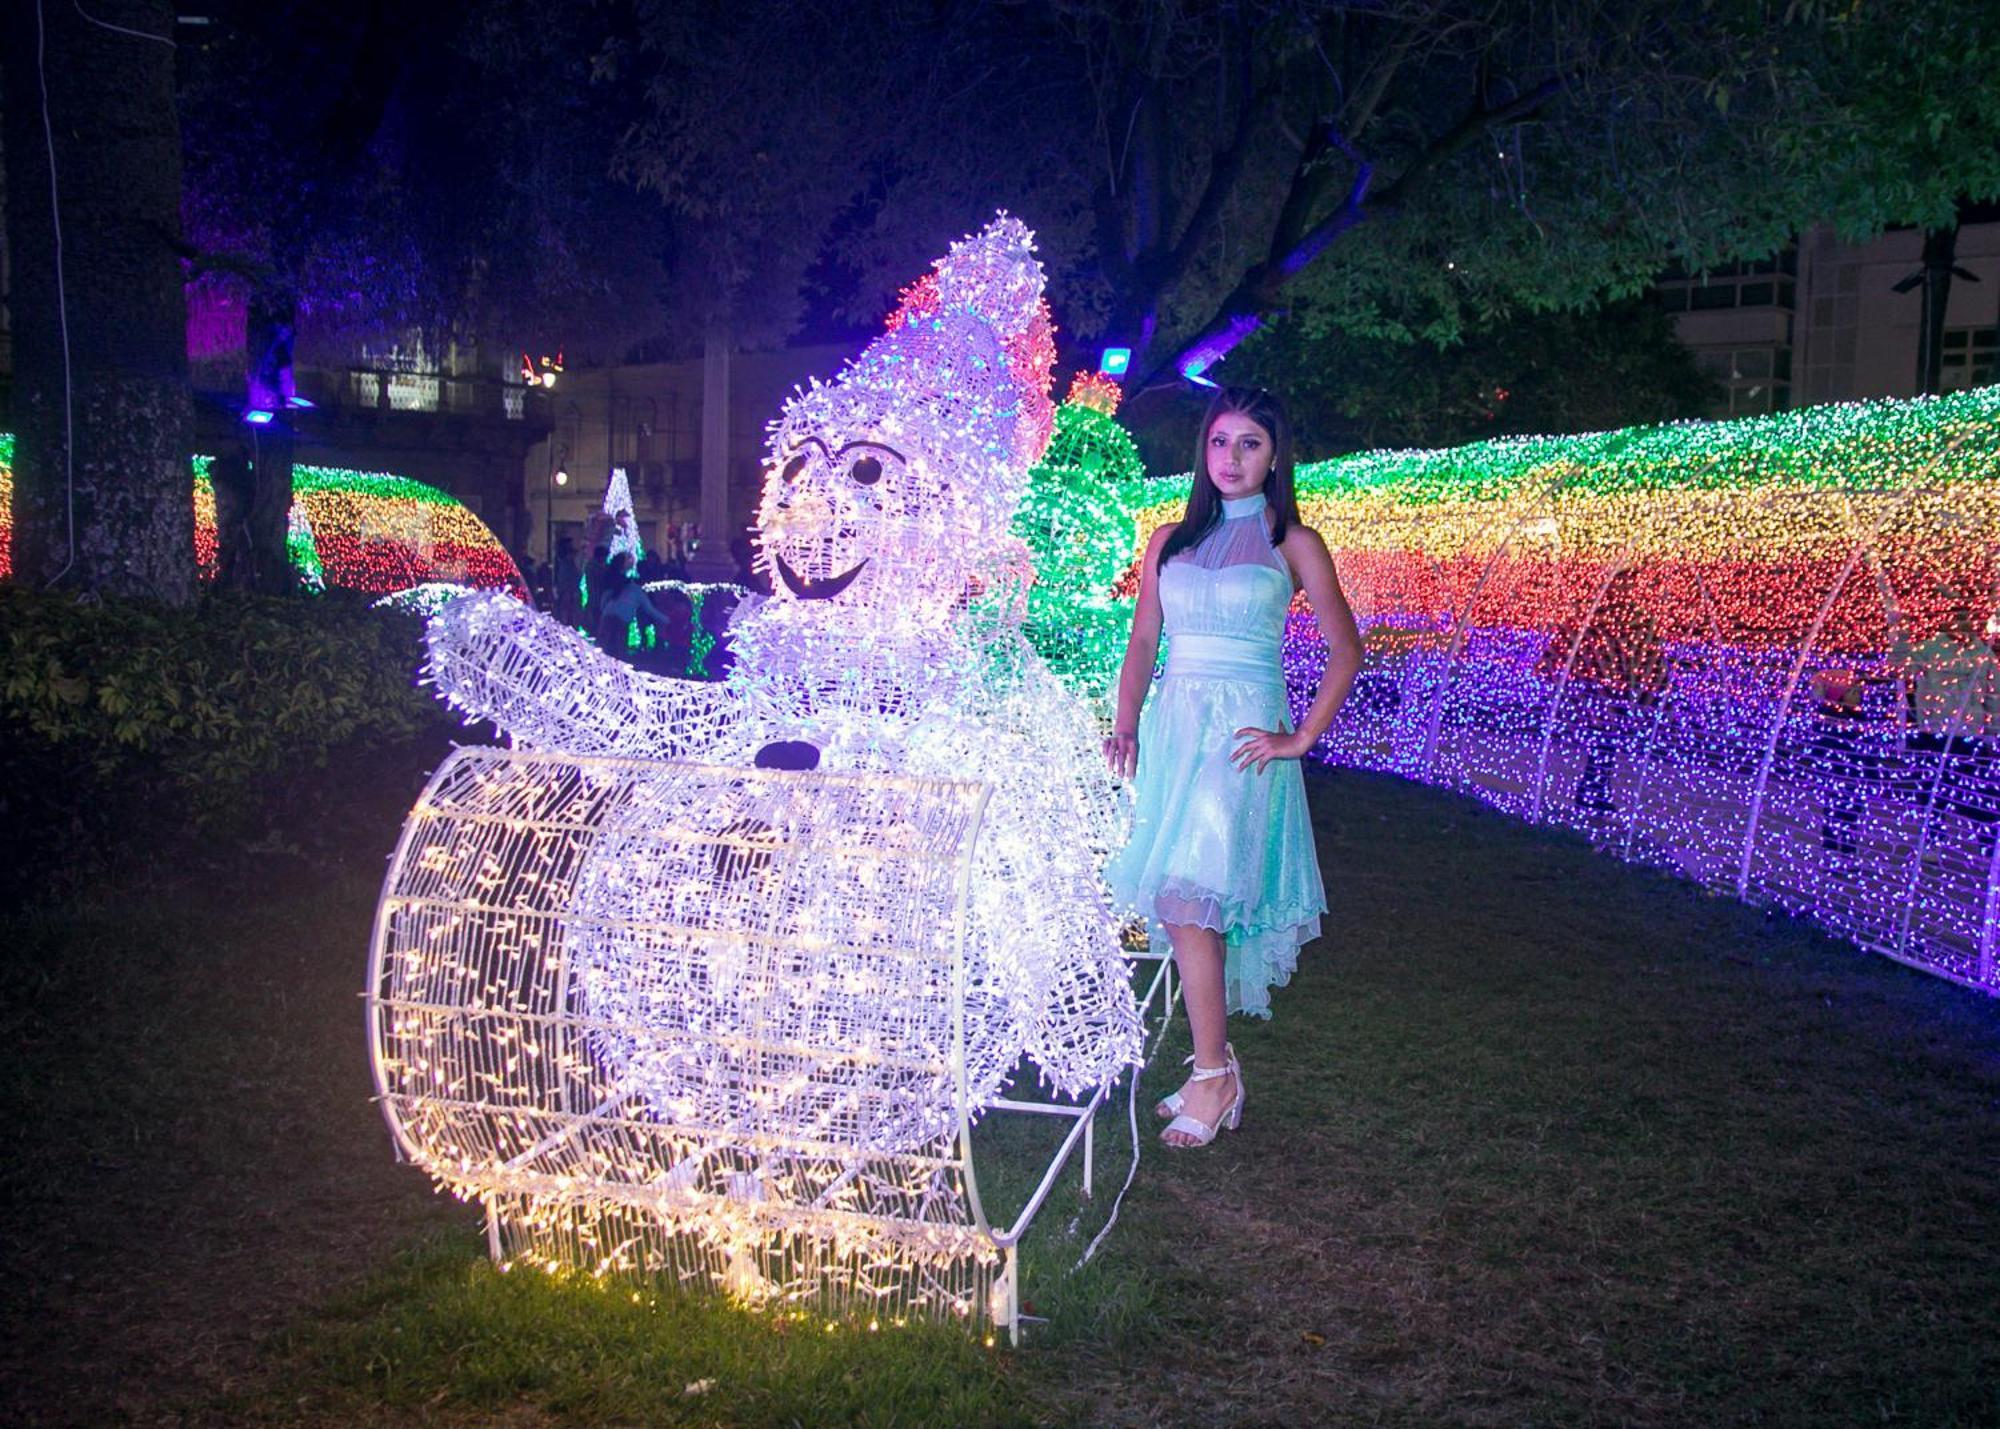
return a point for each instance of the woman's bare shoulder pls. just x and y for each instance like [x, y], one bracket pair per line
[1301, 537]
[1159, 536]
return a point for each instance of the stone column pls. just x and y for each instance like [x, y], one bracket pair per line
[712, 561]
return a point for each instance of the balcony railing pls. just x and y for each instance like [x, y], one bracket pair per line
[371, 389]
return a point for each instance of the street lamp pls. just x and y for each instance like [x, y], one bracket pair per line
[558, 476]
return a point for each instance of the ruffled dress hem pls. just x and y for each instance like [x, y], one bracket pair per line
[1260, 945]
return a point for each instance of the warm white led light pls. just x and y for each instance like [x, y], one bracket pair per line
[716, 976]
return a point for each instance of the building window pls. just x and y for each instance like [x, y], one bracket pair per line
[1753, 379]
[1967, 358]
[1767, 283]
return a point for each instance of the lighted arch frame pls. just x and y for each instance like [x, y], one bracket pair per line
[373, 532]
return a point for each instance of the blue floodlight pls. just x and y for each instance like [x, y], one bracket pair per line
[260, 417]
[1115, 362]
[298, 402]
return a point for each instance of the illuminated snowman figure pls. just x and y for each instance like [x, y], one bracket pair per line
[891, 647]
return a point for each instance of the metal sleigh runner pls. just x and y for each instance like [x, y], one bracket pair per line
[715, 980]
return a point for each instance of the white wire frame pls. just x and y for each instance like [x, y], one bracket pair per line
[555, 1031]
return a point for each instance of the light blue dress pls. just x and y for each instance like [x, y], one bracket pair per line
[1227, 849]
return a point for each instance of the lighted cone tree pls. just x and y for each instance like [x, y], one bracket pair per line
[1757, 653]
[1076, 517]
[621, 519]
[715, 978]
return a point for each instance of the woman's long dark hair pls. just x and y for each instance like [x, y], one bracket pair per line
[1204, 508]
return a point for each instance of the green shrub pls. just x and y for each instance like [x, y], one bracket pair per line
[129, 720]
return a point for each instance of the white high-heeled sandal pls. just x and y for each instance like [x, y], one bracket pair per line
[1173, 1104]
[1200, 1130]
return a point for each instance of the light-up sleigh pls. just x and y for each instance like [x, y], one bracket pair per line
[716, 980]
[714, 1022]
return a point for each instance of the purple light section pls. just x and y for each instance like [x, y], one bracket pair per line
[217, 320]
[1733, 775]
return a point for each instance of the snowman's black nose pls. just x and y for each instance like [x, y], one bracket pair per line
[794, 754]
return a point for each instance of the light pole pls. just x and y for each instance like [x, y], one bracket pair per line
[558, 476]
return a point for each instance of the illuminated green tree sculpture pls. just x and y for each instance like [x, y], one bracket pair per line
[1078, 519]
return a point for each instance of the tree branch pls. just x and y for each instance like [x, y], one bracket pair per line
[1465, 132]
[1224, 170]
[1241, 313]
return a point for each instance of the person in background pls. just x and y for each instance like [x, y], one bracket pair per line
[1954, 708]
[1844, 760]
[565, 576]
[673, 635]
[743, 551]
[536, 574]
[596, 585]
[1620, 673]
[716, 608]
[624, 601]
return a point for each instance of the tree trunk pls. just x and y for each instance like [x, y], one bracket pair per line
[103, 494]
[1940, 259]
[265, 565]
[253, 508]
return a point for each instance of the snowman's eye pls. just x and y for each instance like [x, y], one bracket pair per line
[866, 470]
[793, 467]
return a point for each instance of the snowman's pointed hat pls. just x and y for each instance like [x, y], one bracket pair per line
[958, 382]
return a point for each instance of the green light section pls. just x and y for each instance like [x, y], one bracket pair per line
[1856, 446]
[1078, 519]
[368, 483]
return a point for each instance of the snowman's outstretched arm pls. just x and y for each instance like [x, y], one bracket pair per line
[547, 688]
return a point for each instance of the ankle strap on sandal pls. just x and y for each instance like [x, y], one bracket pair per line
[1209, 1074]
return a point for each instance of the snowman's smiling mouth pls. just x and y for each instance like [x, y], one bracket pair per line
[825, 589]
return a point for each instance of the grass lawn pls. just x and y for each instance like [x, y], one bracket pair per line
[1535, 1138]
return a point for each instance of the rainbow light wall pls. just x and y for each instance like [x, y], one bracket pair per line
[1717, 648]
[6, 505]
[350, 530]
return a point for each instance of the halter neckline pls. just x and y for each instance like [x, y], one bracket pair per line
[1243, 506]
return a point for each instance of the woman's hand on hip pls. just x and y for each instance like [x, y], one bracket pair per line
[1121, 752]
[1261, 746]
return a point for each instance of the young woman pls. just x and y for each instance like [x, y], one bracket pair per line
[1222, 850]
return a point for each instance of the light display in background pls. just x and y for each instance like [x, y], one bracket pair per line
[1755, 653]
[715, 978]
[623, 519]
[1077, 518]
[371, 532]
[6, 505]
[382, 533]
[353, 530]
